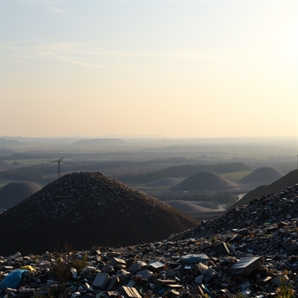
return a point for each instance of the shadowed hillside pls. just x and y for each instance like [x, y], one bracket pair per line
[205, 180]
[261, 176]
[15, 192]
[282, 183]
[85, 209]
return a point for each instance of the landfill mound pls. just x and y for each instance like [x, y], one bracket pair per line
[188, 207]
[85, 209]
[261, 176]
[285, 181]
[15, 192]
[204, 180]
[168, 181]
[247, 252]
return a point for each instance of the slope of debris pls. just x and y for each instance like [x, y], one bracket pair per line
[15, 192]
[248, 252]
[85, 209]
[264, 213]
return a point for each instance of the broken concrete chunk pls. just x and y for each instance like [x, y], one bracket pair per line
[74, 272]
[222, 249]
[194, 258]
[101, 280]
[117, 262]
[202, 268]
[131, 292]
[136, 266]
[199, 279]
[87, 270]
[166, 281]
[146, 274]
[156, 265]
[263, 280]
[17, 254]
[113, 283]
[113, 294]
[278, 280]
[246, 265]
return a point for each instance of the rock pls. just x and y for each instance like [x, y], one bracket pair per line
[101, 280]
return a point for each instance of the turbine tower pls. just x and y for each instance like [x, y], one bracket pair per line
[58, 170]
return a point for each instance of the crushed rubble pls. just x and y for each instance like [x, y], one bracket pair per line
[250, 251]
[86, 209]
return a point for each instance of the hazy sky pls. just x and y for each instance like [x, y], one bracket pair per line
[131, 68]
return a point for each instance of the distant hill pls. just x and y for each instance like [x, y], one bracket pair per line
[15, 192]
[85, 209]
[261, 176]
[7, 142]
[185, 170]
[99, 142]
[205, 180]
[286, 181]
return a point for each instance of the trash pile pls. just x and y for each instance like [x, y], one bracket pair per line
[87, 209]
[250, 251]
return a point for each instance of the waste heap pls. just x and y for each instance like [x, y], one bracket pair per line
[250, 251]
[86, 209]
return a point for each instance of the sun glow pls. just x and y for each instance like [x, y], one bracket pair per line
[291, 40]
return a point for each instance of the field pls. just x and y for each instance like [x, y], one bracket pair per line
[235, 175]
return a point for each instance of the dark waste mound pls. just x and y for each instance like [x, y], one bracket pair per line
[86, 209]
[205, 180]
[188, 207]
[261, 176]
[285, 181]
[15, 192]
[168, 181]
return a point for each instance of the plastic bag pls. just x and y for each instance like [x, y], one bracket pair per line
[13, 279]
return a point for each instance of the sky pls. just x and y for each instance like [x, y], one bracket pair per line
[185, 69]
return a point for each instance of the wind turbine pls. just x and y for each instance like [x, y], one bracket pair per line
[58, 170]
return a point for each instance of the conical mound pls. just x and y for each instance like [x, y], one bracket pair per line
[205, 180]
[15, 192]
[286, 181]
[87, 209]
[261, 176]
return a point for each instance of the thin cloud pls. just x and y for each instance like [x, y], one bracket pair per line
[63, 51]
[206, 54]
[56, 10]
[69, 51]
[71, 60]
[59, 46]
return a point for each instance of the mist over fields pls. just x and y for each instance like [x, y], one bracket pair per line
[213, 169]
